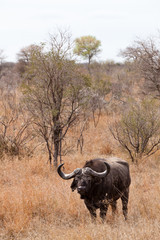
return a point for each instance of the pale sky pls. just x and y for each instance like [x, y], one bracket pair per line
[116, 23]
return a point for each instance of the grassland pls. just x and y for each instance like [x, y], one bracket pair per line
[35, 204]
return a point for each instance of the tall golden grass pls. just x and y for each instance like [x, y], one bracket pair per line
[35, 204]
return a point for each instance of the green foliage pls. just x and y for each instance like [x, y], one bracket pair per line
[87, 80]
[102, 86]
[87, 47]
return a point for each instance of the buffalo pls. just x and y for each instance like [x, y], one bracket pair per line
[100, 183]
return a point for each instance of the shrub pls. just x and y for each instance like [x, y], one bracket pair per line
[138, 129]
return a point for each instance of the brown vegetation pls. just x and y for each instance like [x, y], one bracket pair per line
[37, 204]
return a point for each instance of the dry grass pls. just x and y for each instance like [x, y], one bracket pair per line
[35, 204]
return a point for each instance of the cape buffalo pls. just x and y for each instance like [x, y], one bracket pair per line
[101, 182]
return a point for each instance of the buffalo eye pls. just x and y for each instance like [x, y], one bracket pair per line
[74, 185]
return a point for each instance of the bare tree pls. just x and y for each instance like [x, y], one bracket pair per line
[1, 62]
[24, 58]
[54, 96]
[146, 57]
[2, 57]
[15, 132]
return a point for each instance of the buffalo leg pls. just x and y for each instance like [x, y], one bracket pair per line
[103, 210]
[91, 209]
[114, 207]
[124, 199]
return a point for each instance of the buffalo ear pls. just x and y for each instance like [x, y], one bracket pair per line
[74, 185]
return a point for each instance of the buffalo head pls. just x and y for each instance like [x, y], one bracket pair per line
[84, 178]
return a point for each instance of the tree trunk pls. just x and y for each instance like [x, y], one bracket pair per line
[56, 153]
[49, 150]
[57, 144]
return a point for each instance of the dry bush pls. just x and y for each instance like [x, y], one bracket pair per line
[138, 129]
[106, 150]
[98, 140]
[16, 132]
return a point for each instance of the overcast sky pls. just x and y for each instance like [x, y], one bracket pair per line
[116, 23]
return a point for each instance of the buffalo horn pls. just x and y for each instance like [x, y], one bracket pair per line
[67, 176]
[93, 173]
